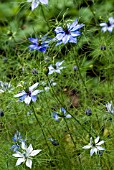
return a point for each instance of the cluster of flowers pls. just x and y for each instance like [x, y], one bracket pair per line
[22, 152]
[64, 35]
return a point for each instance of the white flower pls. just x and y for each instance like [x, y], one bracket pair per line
[94, 146]
[35, 3]
[57, 68]
[26, 155]
[108, 26]
[110, 107]
[4, 86]
[29, 95]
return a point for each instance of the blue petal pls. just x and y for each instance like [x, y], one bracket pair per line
[34, 98]
[55, 116]
[63, 110]
[34, 40]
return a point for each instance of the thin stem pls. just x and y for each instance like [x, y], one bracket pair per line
[41, 128]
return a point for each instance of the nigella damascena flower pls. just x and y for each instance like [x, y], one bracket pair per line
[39, 44]
[68, 34]
[56, 68]
[17, 138]
[62, 114]
[29, 95]
[26, 155]
[35, 3]
[108, 26]
[110, 108]
[94, 146]
[4, 86]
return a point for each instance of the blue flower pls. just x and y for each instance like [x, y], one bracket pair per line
[69, 34]
[35, 3]
[15, 147]
[62, 114]
[39, 44]
[17, 138]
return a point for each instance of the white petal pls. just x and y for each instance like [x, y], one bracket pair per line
[58, 71]
[19, 161]
[87, 147]
[92, 151]
[27, 100]
[18, 155]
[29, 149]
[36, 92]
[34, 5]
[104, 29]
[29, 163]
[100, 143]
[20, 94]
[35, 152]
[51, 69]
[100, 148]
[110, 29]
[23, 146]
[68, 116]
[103, 24]
[97, 140]
[31, 88]
[111, 20]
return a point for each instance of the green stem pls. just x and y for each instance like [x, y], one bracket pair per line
[41, 128]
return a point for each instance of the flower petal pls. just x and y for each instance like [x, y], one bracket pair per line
[35, 152]
[20, 94]
[100, 148]
[23, 146]
[97, 140]
[29, 149]
[87, 147]
[27, 100]
[31, 88]
[36, 92]
[34, 5]
[100, 143]
[29, 163]
[18, 155]
[92, 151]
[19, 161]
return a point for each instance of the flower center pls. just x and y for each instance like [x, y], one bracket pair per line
[28, 93]
[108, 23]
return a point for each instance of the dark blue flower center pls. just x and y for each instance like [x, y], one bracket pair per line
[28, 93]
[109, 24]
[67, 31]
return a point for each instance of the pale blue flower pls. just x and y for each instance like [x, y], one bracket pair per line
[69, 34]
[108, 26]
[29, 95]
[35, 3]
[56, 68]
